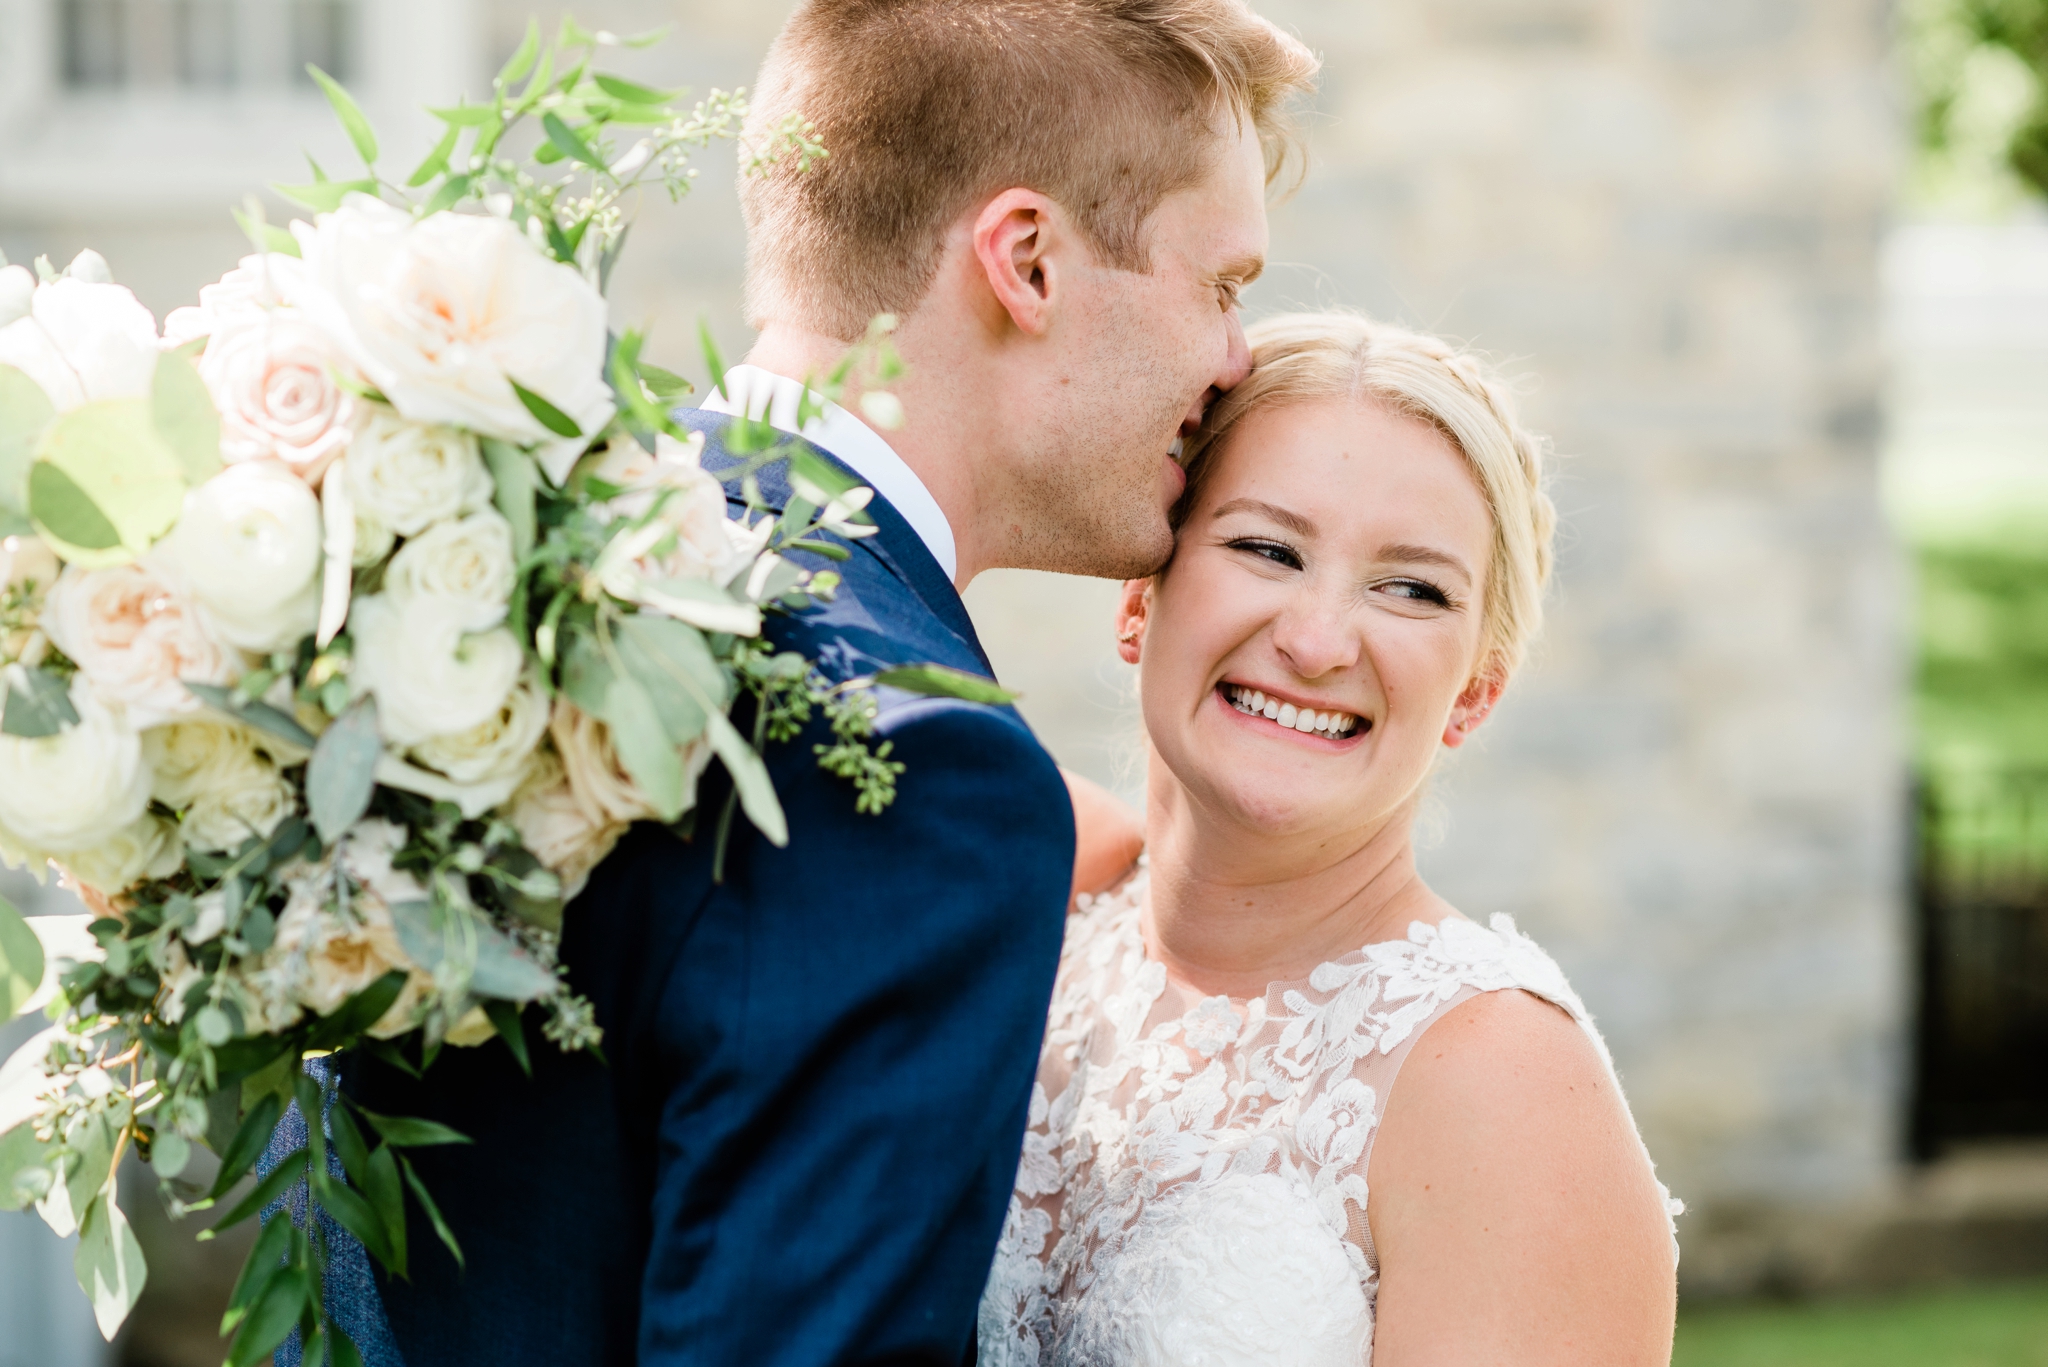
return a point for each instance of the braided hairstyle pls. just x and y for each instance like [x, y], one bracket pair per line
[1308, 357]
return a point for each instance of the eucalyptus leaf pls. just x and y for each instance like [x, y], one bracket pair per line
[343, 771]
[505, 971]
[66, 513]
[260, 715]
[21, 963]
[750, 778]
[586, 673]
[938, 681]
[185, 417]
[109, 1264]
[92, 1145]
[110, 453]
[514, 476]
[24, 412]
[20, 1151]
[644, 747]
[36, 704]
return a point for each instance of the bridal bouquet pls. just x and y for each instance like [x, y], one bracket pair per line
[345, 624]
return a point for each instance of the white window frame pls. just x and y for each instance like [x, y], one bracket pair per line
[182, 153]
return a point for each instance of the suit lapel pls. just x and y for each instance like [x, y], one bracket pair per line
[897, 546]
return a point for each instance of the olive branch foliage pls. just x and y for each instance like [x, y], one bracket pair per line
[194, 1070]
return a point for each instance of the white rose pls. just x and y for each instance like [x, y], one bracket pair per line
[491, 759]
[566, 834]
[82, 342]
[406, 476]
[136, 639]
[272, 375]
[442, 315]
[334, 955]
[211, 918]
[187, 758]
[706, 542]
[259, 282]
[430, 674]
[147, 847]
[77, 788]
[467, 561]
[248, 549]
[243, 798]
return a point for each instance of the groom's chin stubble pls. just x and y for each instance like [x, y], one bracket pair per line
[1114, 543]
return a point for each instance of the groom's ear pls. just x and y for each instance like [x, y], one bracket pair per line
[1016, 237]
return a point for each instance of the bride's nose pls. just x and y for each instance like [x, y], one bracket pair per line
[1316, 636]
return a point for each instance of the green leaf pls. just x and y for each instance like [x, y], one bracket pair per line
[437, 160]
[359, 1012]
[664, 384]
[280, 1180]
[66, 513]
[185, 417]
[419, 1191]
[673, 662]
[937, 681]
[631, 93]
[275, 1313]
[267, 237]
[251, 1138]
[383, 1189]
[92, 1144]
[714, 362]
[109, 1264]
[505, 1020]
[586, 673]
[113, 462]
[353, 1212]
[351, 117]
[19, 1151]
[808, 465]
[325, 196]
[410, 1132]
[465, 115]
[21, 962]
[639, 115]
[343, 771]
[521, 61]
[750, 778]
[644, 747]
[24, 412]
[341, 1347]
[265, 1262]
[545, 413]
[260, 715]
[37, 704]
[447, 197]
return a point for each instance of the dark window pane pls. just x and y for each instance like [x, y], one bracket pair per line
[95, 42]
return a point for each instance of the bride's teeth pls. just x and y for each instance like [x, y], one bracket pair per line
[1258, 701]
[1271, 709]
[1305, 720]
[1286, 714]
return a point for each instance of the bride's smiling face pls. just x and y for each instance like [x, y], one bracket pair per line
[1318, 632]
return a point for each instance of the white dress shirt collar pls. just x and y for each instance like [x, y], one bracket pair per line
[751, 390]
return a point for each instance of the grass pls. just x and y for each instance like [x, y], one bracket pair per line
[1985, 1326]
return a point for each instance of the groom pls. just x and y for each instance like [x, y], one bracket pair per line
[801, 1145]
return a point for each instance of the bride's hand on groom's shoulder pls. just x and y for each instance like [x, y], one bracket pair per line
[1108, 835]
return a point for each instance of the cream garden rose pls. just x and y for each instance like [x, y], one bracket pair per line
[221, 778]
[272, 375]
[136, 639]
[491, 759]
[444, 314]
[77, 788]
[258, 283]
[82, 341]
[405, 476]
[248, 550]
[467, 562]
[431, 675]
[147, 847]
[565, 833]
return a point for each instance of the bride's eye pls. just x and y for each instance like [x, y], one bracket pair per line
[1417, 590]
[1279, 552]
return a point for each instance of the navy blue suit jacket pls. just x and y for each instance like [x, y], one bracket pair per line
[802, 1147]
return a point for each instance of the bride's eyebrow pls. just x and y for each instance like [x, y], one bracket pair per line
[1293, 522]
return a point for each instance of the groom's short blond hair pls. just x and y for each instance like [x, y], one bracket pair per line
[926, 107]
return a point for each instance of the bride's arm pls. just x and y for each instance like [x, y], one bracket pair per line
[1514, 1212]
[1108, 836]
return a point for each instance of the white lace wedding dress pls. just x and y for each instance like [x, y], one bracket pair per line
[1192, 1191]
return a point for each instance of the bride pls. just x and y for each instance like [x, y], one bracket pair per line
[1292, 1107]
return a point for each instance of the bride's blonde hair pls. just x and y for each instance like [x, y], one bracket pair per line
[1305, 357]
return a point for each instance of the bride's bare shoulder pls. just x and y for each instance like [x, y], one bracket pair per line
[1507, 1178]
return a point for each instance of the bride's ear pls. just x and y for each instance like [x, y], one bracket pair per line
[1014, 238]
[1130, 618]
[1471, 708]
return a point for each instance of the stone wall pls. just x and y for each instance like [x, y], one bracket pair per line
[1666, 214]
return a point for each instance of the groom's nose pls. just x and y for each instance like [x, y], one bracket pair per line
[1237, 362]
